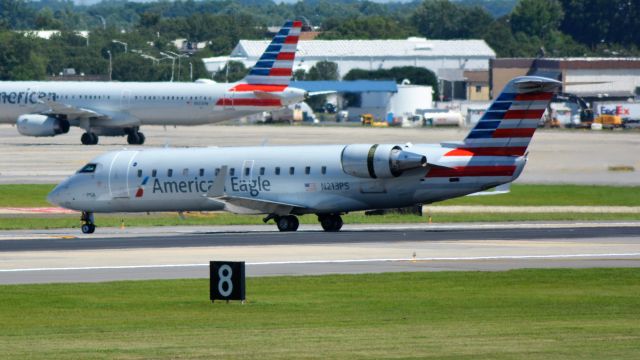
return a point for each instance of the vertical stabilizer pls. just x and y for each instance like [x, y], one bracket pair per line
[507, 126]
[275, 66]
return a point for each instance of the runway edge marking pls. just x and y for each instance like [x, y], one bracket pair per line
[470, 258]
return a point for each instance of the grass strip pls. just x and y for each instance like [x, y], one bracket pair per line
[520, 195]
[70, 221]
[533, 314]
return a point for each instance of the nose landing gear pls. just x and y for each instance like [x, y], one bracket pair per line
[88, 226]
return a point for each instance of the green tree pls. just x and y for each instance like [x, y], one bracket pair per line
[232, 72]
[536, 17]
[323, 70]
[442, 19]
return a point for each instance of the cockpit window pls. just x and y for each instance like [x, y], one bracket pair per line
[89, 168]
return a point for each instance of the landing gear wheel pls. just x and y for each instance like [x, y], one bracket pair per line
[88, 228]
[331, 222]
[135, 138]
[89, 138]
[287, 223]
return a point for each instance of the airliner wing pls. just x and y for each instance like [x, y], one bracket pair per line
[71, 111]
[244, 205]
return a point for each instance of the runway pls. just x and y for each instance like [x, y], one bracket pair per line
[184, 252]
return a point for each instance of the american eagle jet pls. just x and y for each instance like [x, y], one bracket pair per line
[50, 108]
[284, 182]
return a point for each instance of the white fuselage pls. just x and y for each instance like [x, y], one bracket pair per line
[126, 103]
[312, 178]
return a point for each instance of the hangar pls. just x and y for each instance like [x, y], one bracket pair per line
[434, 55]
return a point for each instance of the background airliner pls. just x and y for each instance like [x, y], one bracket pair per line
[286, 181]
[47, 108]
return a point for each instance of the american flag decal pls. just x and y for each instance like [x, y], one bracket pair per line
[310, 187]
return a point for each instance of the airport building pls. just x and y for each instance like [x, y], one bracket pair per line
[592, 79]
[448, 59]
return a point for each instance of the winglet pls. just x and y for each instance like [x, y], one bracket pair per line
[217, 189]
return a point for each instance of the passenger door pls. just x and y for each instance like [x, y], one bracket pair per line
[121, 174]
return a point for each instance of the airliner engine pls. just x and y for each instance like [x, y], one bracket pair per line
[379, 161]
[41, 125]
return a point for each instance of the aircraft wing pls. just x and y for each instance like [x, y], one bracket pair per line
[245, 205]
[71, 112]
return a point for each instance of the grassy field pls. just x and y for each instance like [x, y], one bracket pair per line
[71, 221]
[521, 195]
[532, 314]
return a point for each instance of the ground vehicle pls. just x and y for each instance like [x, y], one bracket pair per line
[609, 121]
[366, 119]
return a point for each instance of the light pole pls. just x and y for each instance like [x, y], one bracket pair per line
[154, 60]
[190, 71]
[104, 22]
[173, 63]
[179, 63]
[121, 43]
[110, 64]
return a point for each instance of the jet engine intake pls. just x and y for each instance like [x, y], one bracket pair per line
[41, 125]
[379, 161]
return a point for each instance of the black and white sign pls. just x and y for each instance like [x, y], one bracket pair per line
[226, 280]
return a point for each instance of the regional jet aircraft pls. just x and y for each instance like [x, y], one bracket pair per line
[284, 182]
[49, 108]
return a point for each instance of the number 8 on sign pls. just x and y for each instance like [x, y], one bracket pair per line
[226, 280]
[225, 273]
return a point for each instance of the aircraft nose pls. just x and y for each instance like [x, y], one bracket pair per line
[54, 197]
[59, 195]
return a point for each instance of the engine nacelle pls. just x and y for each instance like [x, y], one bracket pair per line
[379, 161]
[41, 125]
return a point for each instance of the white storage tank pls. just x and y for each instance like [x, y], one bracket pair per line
[409, 98]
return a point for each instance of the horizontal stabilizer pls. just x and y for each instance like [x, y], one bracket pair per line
[500, 189]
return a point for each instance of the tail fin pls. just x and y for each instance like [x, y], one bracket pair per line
[276, 63]
[507, 126]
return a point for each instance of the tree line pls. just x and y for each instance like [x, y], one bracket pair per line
[513, 28]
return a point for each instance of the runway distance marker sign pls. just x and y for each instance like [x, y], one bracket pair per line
[227, 280]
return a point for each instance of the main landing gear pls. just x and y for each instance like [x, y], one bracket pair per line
[135, 138]
[89, 138]
[329, 222]
[88, 226]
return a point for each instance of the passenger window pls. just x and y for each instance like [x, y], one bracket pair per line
[154, 172]
[307, 170]
[232, 171]
[201, 172]
[261, 171]
[217, 171]
[139, 172]
[292, 170]
[170, 173]
[323, 170]
[277, 171]
[247, 171]
[185, 172]
[89, 168]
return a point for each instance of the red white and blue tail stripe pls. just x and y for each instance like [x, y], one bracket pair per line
[501, 137]
[276, 63]
[507, 126]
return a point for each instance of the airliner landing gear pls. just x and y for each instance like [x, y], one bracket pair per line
[135, 138]
[330, 222]
[89, 138]
[287, 223]
[88, 227]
